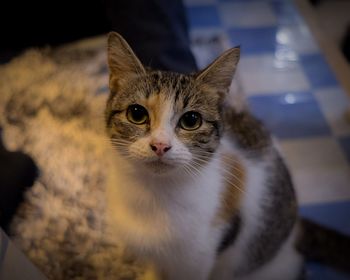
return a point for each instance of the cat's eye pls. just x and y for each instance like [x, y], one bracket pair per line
[137, 114]
[190, 120]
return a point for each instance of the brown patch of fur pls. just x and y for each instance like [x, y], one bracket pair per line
[234, 188]
[159, 107]
[248, 132]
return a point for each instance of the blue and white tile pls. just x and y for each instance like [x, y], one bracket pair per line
[247, 14]
[318, 71]
[203, 16]
[286, 13]
[334, 104]
[319, 168]
[331, 214]
[297, 38]
[267, 73]
[205, 32]
[257, 40]
[290, 115]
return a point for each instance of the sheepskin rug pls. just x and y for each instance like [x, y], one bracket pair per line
[51, 107]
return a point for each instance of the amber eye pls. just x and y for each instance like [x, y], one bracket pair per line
[137, 114]
[190, 120]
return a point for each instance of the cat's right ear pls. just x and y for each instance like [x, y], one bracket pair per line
[122, 61]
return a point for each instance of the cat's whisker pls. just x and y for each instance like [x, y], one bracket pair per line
[119, 144]
[231, 165]
[188, 170]
[195, 171]
[235, 178]
[211, 155]
[228, 179]
[233, 185]
[246, 152]
[121, 140]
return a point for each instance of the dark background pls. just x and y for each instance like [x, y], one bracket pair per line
[156, 30]
[42, 23]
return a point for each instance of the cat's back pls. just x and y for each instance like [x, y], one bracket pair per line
[267, 203]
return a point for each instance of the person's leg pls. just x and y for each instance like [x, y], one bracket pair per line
[17, 172]
[156, 30]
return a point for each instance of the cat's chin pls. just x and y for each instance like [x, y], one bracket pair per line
[155, 167]
[159, 168]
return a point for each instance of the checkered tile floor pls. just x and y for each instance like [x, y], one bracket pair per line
[292, 89]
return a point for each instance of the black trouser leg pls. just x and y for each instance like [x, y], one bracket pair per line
[156, 30]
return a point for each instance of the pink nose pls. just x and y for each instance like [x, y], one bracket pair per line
[160, 148]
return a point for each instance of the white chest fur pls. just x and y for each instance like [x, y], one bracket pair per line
[167, 221]
[148, 212]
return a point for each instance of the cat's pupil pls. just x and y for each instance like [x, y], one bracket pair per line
[190, 120]
[137, 114]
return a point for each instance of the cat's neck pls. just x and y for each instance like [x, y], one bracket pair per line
[129, 181]
[161, 203]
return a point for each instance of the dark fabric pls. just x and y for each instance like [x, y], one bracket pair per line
[345, 46]
[17, 172]
[156, 30]
[4, 241]
[40, 22]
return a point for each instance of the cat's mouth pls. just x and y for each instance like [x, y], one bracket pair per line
[159, 166]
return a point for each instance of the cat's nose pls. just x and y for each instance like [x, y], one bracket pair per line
[160, 148]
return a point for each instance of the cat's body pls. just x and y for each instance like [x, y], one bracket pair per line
[174, 225]
[196, 189]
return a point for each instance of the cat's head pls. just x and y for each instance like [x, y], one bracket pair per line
[163, 122]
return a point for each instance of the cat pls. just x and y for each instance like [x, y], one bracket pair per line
[197, 189]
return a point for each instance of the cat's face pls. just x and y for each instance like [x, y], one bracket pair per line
[163, 122]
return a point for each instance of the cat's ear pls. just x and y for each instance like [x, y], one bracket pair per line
[122, 61]
[220, 72]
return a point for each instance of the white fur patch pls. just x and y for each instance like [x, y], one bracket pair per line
[168, 221]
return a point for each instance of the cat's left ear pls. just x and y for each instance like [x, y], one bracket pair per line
[219, 74]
